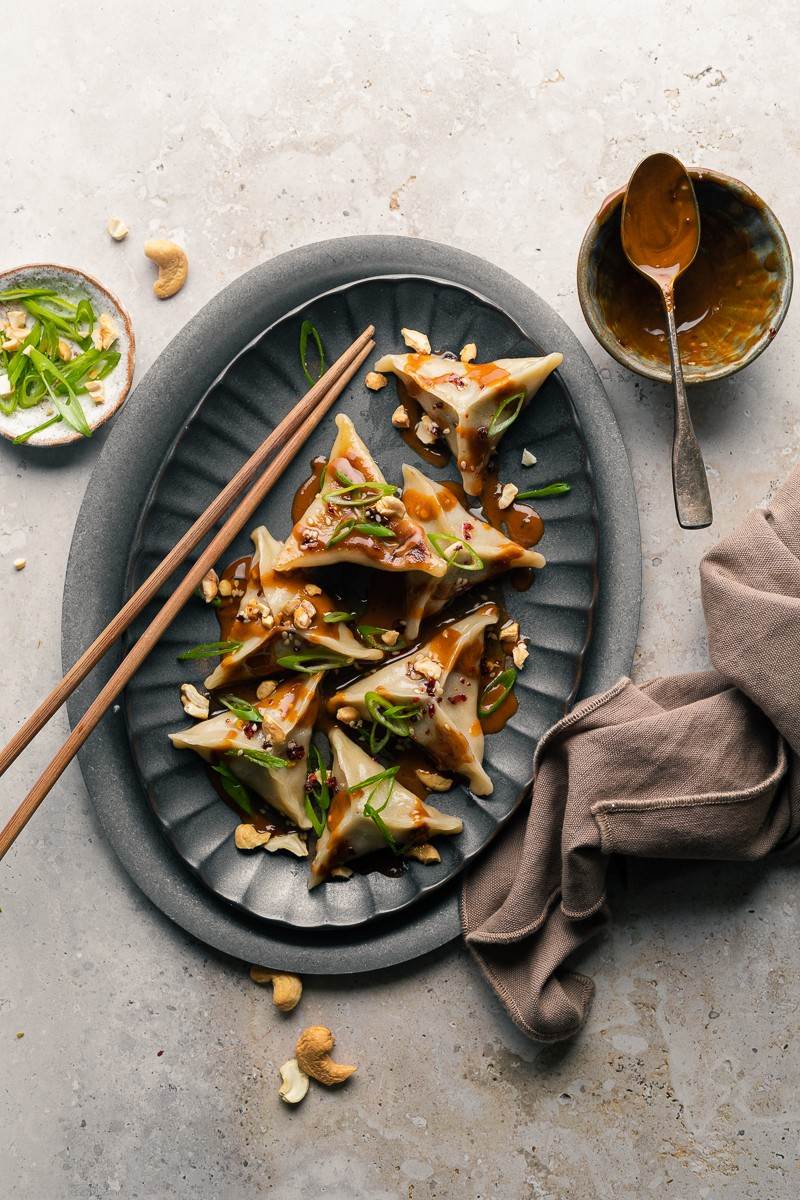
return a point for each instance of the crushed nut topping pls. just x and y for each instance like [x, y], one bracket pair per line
[510, 632]
[427, 430]
[508, 495]
[433, 781]
[425, 667]
[225, 587]
[105, 332]
[416, 341]
[390, 506]
[195, 704]
[304, 614]
[389, 637]
[247, 837]
[95, 389]
[265, 689]
[375, 381]
[64, 350]
[468, 353]
[117, 229]
[311, 589]
[519, 654]
[347, 714]
[20, 564]
[426, 853]
[400, 417]
[210, 586]
[528, 459]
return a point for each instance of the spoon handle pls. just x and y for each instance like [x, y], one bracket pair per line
[689, 480]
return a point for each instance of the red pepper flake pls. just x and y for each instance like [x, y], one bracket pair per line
[251, 729]
[294, 752]
[159, 1053]
[430, 687]
[431, 709]
[459, 699]
[468, 528]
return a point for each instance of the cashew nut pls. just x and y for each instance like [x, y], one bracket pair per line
[426, 853]
[286, 989]
[292, 842]
[375, 381]
[468, 353]
[416, 341]
[172, 263]
[195, 704]
[433, 781]
[247, 837]
[117, 229]
[295, 1083]
[313, 1052]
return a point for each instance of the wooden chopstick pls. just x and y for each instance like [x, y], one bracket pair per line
[216, 547]
[204, 523]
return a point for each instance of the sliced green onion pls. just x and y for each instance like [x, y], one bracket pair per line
[341, 531]
[46, 314]
[241, 708]
[333, 618]
[345, 480]
[84, 315]
[351, 525]
[373, 813]
[549, 489]
[308, 330]
[31, 390]
[318, 800]
[310, 662]
[9, 403]
[234, 788]
[343, 497]
[505, 680]
[440, 541]
[262, 758]
[499, 422]
[210, 650]
[371, 634]
[394, 717]
[24, 293]
[23, 437]
[70, 408]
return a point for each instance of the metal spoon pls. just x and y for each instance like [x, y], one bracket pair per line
[660, 236]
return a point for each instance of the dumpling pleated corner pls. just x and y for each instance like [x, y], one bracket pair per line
[350, 832]
[464, 399]
[340, 517]
[443, 678]
[438, 511]
[268, 620]
[287, 722]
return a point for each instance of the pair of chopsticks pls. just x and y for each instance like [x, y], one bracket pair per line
[275, 453]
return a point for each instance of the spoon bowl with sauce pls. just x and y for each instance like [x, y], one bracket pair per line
[660, 237]
[729, 303]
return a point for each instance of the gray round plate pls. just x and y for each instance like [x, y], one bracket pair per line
[250, 398]
[141, 439]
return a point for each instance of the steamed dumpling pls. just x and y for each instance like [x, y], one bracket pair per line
[462, 398]
[438, 511]
[350, 833]
[403, 547]
[277, 611]
[443, 678]
[287, 722]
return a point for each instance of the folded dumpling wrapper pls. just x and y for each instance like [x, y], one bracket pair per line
[443, 677]
[308, 543]
[287, 723]
[438, 511]
[269, 624]
[349, 832]
[462, 398]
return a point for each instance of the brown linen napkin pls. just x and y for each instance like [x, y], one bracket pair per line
[692, 766]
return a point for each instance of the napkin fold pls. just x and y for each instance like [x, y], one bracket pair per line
[690, 766]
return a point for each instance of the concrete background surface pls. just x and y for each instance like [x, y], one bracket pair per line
[242, 130]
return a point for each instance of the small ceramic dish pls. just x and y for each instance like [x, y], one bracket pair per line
[730, 302]
[73, 285]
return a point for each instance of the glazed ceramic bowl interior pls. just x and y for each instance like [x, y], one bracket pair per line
[603, 272]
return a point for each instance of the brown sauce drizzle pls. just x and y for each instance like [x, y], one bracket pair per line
[521, 522]
[437, 455]
[308, 489]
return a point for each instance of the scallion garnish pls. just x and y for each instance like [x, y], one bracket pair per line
[241, 709]
[374, 814]
[234, 788]
[262, 758]
[373, 634]
[505, 682]
[23, 437]
[308, 330]
[345, 497]
[310, 662]
[351, 525]
[393, 718]
[210, 650]
[458, 546]
[549, 489]
[334, 618]
[318, 797]
[505, 414]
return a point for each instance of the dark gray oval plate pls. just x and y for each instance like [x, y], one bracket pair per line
[141, 439]
[253, 395]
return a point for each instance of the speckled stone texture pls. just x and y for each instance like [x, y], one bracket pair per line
[498, 126]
